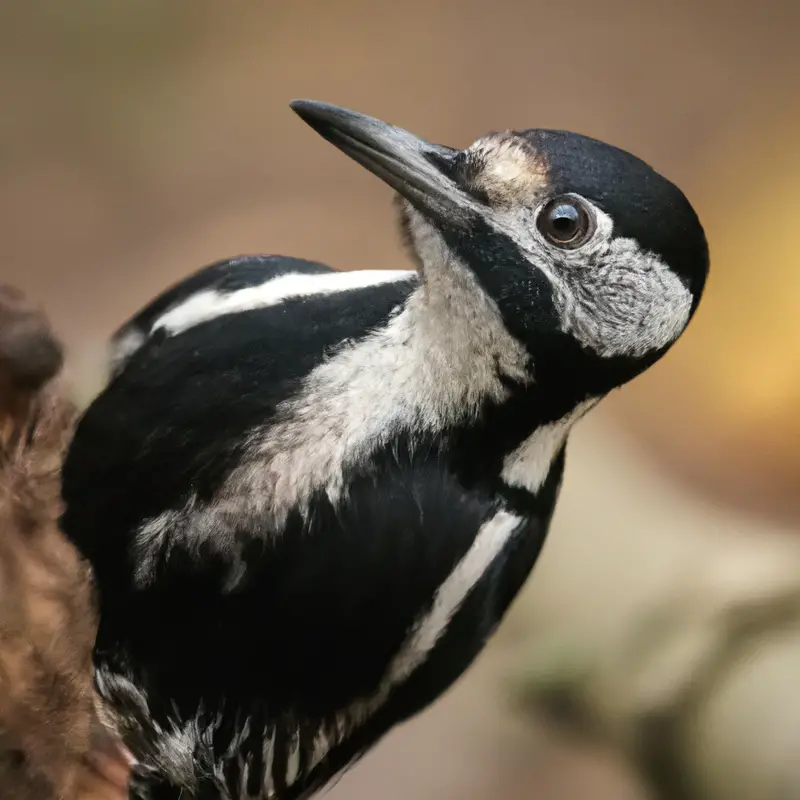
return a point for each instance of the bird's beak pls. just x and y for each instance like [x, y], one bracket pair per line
[415, 168]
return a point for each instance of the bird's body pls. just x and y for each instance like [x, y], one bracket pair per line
[321, 613]
[309, 496]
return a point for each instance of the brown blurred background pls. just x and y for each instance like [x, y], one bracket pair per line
[141, 140]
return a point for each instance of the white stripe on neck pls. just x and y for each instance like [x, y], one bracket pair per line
[528, 466]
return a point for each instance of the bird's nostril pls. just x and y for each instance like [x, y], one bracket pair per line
[444, 161]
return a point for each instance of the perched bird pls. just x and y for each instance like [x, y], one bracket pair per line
[309, 496]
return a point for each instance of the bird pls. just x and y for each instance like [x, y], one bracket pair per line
[309, 496]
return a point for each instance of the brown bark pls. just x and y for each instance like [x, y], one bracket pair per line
[51, 742]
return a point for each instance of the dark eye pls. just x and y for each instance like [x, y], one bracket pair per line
[565, 222]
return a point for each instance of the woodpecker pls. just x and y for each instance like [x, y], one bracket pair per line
[309, 496]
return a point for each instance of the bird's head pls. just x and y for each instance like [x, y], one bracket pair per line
[595, 262]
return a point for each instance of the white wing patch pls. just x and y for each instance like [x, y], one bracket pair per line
[421, 640]
[210, 304]
[492, 537]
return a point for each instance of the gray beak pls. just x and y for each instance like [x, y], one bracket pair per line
[415, 168]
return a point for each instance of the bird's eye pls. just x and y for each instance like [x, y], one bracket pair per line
[565, 222]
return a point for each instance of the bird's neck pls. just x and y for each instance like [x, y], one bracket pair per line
[473, 387]
[441, 373]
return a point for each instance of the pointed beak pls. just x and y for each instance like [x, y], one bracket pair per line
[416, 169]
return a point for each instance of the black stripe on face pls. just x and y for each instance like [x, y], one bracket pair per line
[565, 372]
[522, 292]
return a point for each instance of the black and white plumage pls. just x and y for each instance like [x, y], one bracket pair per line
[309, 496]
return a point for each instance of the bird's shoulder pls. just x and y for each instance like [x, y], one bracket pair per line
[223, 277]
[238, 286]
[178, 412]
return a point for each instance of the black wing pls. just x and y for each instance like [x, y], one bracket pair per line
[228, 275]
[174, 419]
[324, 606]
[317, 621]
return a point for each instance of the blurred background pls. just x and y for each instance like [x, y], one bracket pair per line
[656, 651]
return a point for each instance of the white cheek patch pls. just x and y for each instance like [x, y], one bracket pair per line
[614, 297]
[629, 304]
